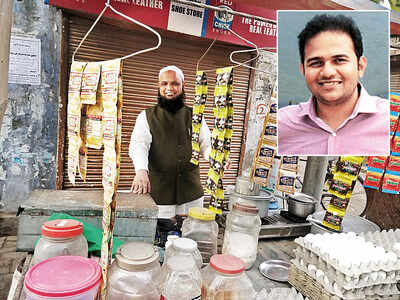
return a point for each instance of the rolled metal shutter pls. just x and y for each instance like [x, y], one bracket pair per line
[140, 80]
[395, 73]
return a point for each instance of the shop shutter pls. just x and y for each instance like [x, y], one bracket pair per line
[395, 73]
[140, 78]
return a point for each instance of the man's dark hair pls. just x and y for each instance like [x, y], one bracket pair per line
[322, 23]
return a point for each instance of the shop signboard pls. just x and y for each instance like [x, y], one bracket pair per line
[197, 21]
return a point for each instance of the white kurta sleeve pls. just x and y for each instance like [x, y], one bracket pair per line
[205, 140]
[140, 143]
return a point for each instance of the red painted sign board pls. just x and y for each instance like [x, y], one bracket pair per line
[166, 14]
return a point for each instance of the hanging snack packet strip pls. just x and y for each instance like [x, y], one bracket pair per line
[289, 163]
[90, 81]
[82, 149]
[94, 126]
[373, 178]
[111, 86]
[345, 174]
[74, 117]
[338, 205]
[286, 180]
[220, 137]
[200, 98]
[332, 220]
[266, 148]
[394, 102]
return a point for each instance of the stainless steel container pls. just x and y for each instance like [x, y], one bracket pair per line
[261, 202]
[245, 187]
[301, 205]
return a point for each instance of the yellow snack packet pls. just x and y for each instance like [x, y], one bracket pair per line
[90, 82]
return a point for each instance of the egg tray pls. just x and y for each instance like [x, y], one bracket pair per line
[342, 280]
[323, 289]
[389, 239]
[386, 266]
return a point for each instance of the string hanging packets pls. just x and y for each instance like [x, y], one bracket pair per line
[341, 187]
[383, 172]
[74, 117]
[200, 98]
[266, 148]
[221, 137]
[287, 174]
[111, 90]
[90, 81]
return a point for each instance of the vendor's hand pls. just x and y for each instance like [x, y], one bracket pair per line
[141, 183]
[227, 164]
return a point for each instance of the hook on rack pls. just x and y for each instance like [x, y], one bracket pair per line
[108, 5]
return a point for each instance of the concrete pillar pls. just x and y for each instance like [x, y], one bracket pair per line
[314, 177]
[5, 31]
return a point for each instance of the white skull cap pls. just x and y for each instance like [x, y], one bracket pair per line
[177, 71]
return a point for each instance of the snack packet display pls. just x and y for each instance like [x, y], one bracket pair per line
[221, 137]
[90, 82]
[391, 183]
[261, 173]
[394, 102]
[266, 152]
[332, 220]
[111, 90]
[341, 187]
[373, 178]
[286, 181]
[200, 98]
[378, 162]
[349, 166]
[289, 163]
[338, 205]
[74, 118]
[94, 126]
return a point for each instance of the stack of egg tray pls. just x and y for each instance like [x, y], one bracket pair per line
[311, 289]
[369, 281]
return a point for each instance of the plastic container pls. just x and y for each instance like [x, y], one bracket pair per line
[60, 238]
[201, 227]
[135, 273]
[180, 278]
[224, 278]
[63, 277]
[243, 226]
[184, 246]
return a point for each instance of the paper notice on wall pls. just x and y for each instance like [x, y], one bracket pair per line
[187, 19]
[24, 66]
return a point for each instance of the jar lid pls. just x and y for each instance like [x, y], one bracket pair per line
[135, 254]
[245, 207]
[201, 213]
[63, 276]
[62, 228]
[184, 244]
[226, 263]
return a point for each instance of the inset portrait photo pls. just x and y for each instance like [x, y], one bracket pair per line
[333, 83]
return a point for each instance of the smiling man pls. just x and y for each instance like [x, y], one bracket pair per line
[161, 149]
[340, 118]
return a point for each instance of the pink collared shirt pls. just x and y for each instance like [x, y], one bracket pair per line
[365, 132]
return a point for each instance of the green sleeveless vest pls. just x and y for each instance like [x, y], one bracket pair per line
[174, 180]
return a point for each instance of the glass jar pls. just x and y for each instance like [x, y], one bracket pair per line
[243, 226]
[135, 273]
[224, 278]
[60, 238]
[184, 246]
[180, 278]
[201, 227]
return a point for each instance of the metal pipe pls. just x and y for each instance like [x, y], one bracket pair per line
[314, 177]
[225, 10]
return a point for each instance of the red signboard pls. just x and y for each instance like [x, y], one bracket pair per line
[201, 22]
